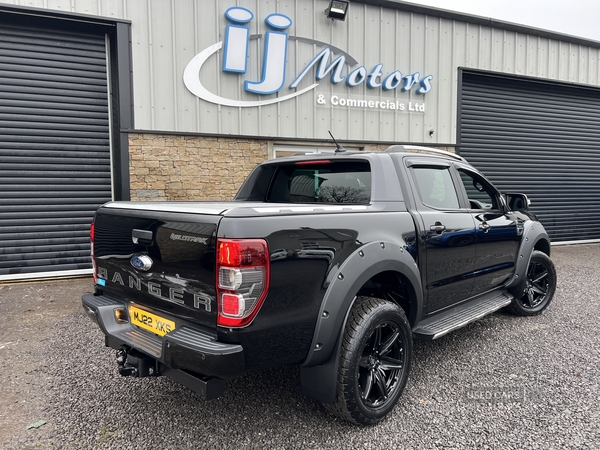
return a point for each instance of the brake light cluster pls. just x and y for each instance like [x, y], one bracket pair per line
[243, 270]
[92, 253]
[316, 161]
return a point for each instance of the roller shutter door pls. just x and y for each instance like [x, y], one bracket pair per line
[54, 149]
[539, 138]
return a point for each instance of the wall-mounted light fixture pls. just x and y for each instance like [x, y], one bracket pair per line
[337, 10]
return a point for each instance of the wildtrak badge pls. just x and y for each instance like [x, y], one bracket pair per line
[183, 237]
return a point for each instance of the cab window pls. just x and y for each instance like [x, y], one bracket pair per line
[435, 187]
[480, 193]
[322, 182]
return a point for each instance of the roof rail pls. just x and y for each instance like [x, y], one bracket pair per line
[418, 149]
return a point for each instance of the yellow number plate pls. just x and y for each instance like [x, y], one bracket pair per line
[151, 322]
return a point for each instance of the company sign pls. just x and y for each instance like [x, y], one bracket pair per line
[342, 70]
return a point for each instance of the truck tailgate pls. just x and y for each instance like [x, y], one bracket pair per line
[161, 261]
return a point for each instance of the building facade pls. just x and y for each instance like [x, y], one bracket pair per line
[180, 99]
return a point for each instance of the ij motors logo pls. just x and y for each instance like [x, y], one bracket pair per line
[343, 69]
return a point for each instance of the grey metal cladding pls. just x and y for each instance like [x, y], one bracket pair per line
[167, 35]
[541, 138]
[54, 147]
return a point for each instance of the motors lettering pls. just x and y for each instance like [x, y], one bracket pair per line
[172, 294]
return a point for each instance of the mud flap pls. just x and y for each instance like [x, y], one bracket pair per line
[320, 382]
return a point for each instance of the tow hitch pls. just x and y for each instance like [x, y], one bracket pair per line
[134, 364]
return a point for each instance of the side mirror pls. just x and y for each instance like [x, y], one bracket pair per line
[517, 202]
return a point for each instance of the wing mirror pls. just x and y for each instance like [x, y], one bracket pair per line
[517, 202]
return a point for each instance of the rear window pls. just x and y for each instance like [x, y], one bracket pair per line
[321, 182]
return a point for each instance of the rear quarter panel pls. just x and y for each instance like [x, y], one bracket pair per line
[307, 251]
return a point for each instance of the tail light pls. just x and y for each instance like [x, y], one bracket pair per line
[92, 253]
[243, 269]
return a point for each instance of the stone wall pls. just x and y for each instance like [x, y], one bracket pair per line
[170, 167]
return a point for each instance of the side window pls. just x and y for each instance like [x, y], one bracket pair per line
[481, 195]
[435, 187]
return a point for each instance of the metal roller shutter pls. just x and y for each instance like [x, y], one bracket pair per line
[54, 149]
[539, 138]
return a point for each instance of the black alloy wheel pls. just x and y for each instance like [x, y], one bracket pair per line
[381, 365]
[540, 286]
[374, 361]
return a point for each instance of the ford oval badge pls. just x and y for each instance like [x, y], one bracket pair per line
[141, 262]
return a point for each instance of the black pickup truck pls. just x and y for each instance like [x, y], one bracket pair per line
[332, 262]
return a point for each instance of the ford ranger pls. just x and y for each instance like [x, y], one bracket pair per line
[331, 262]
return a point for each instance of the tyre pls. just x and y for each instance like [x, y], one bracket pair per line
[374, 361]
[539, 288]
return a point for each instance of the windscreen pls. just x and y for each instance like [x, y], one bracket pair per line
[321, 181]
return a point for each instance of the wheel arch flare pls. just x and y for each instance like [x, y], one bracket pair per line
[534, 238]
[370, 261]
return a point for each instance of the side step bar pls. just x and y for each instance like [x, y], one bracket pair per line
[458, 316]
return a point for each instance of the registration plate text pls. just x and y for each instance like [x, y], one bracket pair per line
[149, 321]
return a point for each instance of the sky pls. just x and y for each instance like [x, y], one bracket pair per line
[575, 17]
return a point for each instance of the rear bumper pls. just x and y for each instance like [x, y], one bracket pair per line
[184, 349]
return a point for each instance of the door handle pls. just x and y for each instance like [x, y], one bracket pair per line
[143, 237]
[438, 227]
[485, 227]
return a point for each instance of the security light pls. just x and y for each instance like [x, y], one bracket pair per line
[337, 10]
